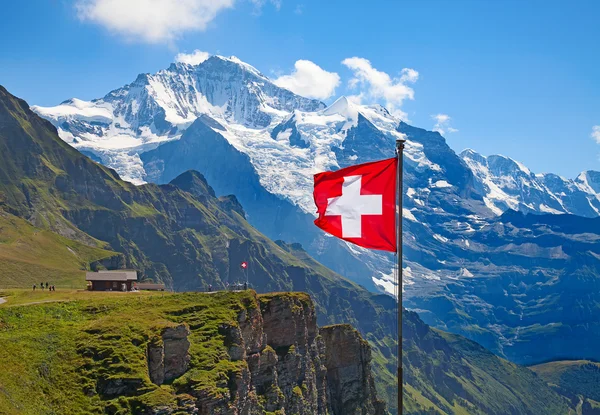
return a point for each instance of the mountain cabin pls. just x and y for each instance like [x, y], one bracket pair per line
[117, 280]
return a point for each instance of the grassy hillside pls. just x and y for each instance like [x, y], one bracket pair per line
[54, 355]
[572, 377]
[29, 255]
[448, 374]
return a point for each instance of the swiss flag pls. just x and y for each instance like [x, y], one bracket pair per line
[358, 204]
[244, 265]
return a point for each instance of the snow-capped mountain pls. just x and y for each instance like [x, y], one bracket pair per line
[160, 125]
[508, 184]
[469, 267]
[158, 108]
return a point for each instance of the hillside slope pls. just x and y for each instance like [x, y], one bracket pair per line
[448, 374]
[577, 379]
[30, 255]
[121, 353]
[218, 353]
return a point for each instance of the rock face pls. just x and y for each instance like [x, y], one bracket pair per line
[168, 356]
[349, 379]
[290, 368]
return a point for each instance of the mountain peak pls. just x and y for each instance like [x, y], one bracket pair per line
[237, 61]
[471, 154]
[497, 162]
[193, 182]
[342, 106]
[590, 179]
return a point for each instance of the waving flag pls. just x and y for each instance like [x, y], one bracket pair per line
[358, 204]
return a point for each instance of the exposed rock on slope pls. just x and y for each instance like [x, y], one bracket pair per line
[293, 369]
[168, 356]
[348, 363]
[207, 354]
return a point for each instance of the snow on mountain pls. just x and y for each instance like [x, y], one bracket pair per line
[287, 139]
[156, 108]
[507, 184]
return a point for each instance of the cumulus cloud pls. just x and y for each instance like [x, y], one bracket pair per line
[596, 133]
[310, 80]
[151, 21]
[379, 86]
[442, 124]
[194, 58]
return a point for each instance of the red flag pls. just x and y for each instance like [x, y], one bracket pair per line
[358, 204]
[244, 265]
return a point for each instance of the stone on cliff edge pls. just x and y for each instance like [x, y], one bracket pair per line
[290, 326]
[289, 320]
[168, 356]
[350, 382]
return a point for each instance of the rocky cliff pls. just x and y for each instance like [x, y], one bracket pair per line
[292, 366]
[349, 379]
[223, 353]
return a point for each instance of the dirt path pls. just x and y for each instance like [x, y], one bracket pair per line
[2, 300]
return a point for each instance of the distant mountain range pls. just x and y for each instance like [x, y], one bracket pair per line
[508, 184]
[183, 234]
[475, 264]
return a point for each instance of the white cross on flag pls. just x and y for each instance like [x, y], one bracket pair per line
[358, 204]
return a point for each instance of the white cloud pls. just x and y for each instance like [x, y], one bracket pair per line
[151, 21]
[442, 124]
[310, 80]
[260, 3]
[299, 9]
[378, 85]
[194, 58]
[596, 133]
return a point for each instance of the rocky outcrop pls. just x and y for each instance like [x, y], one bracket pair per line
[350, 382]
[288, 364]
[168, 356]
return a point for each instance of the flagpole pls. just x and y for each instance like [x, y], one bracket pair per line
[399, 194]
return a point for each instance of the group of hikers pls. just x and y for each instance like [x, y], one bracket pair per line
[236, 286]
[46, 286]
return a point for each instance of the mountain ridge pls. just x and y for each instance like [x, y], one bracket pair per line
[461, 258]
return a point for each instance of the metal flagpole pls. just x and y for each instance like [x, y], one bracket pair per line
[399, 194]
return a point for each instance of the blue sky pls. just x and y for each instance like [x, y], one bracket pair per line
[516, 78]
